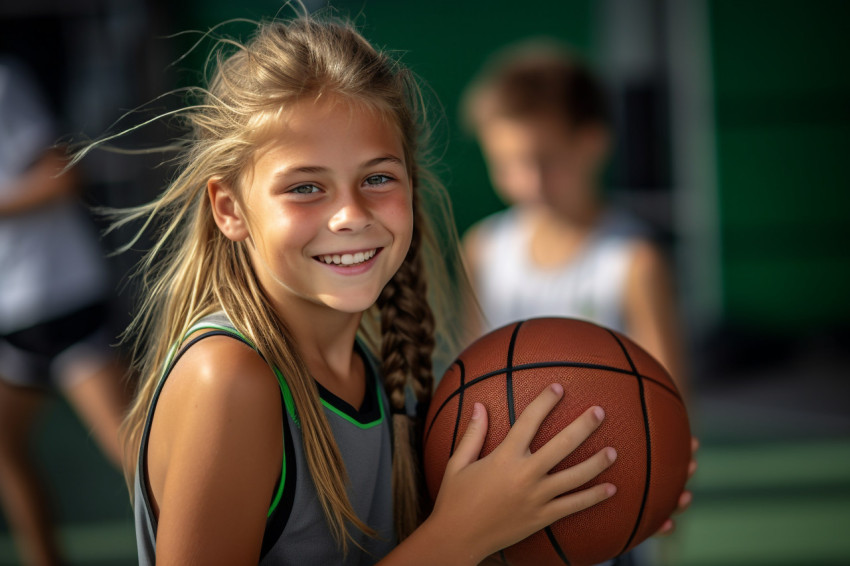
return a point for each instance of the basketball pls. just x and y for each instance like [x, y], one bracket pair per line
[645, 421]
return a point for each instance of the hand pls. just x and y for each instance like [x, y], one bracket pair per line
[488, 504]
[685, 499]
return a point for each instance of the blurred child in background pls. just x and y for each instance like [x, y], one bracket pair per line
[53, 309]
[559, 249]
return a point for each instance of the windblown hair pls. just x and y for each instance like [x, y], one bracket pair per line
[192, 269]
[535, 78]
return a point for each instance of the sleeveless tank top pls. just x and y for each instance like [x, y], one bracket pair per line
[296, 531]
[590, 286]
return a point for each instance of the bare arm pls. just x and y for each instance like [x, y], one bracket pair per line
[651, 315]
[654, 324]
[41, 184]
[215, 455]
[471, 254]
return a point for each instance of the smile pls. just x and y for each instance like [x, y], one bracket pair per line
[347, 259]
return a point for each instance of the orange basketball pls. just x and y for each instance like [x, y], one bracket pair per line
[645, 421]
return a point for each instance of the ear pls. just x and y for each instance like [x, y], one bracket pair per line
[226, 210]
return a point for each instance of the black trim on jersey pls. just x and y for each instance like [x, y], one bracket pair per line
[370, 409]
[280, 516]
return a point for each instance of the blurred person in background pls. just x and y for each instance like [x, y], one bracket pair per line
[54, 288]
[542, 120]
[559, 249]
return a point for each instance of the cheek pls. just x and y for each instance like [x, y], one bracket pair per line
[278, 230]
[398, 212]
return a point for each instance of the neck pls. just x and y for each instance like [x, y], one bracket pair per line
[576, 219]
[557, 236]
[325, 337]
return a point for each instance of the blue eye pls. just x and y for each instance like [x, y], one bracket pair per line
[378, 179]
[305, 189]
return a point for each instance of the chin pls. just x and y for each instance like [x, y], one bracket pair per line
[351, 305]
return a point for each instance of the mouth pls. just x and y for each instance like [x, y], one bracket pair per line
[347, 259]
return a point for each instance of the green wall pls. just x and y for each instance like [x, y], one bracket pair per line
[782, 105]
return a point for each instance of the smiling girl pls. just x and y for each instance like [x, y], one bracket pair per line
[287, 319]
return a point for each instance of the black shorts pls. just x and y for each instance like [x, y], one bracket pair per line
[30, 356]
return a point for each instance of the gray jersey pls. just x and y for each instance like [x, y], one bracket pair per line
[296, 530]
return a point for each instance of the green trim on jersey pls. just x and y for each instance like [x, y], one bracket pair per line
[354, 421]
[284, 390]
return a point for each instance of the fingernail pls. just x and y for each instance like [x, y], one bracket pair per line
[599, 413]
[611, 489]
[557, 388]
[611, 454]
[477, 411]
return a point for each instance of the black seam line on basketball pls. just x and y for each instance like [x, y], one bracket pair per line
[503, 557]
[648, 441]
[509, 376]
[538, 365]
[556, 546]
[459, 407]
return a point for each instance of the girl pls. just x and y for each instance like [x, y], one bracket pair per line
[287, 316]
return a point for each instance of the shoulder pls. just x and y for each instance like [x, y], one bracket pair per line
[648, 263]
[225, 372]
[480, 234]
[649, 291]
[215, 454]
[221, 404]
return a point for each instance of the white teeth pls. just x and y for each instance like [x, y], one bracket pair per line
[348, 259]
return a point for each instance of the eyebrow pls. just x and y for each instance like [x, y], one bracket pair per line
[321, 169]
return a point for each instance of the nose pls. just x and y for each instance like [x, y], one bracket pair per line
[352, 213]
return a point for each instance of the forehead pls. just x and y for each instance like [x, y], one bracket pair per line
[331, 133]
[315, 124]
[508, 134]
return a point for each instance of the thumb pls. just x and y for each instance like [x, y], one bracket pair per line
[469, 447]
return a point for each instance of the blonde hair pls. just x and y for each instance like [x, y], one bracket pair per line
[192, 269]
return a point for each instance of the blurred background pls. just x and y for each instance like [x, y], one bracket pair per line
[733, 125]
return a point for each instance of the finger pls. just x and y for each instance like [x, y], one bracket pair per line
[692, 465]
[532, 417]
[577, 501]
[684, 502]
[578, 475]
[666, 529]
[469, 448]
[570, 438]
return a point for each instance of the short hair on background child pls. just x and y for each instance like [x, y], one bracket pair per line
[540, 77]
